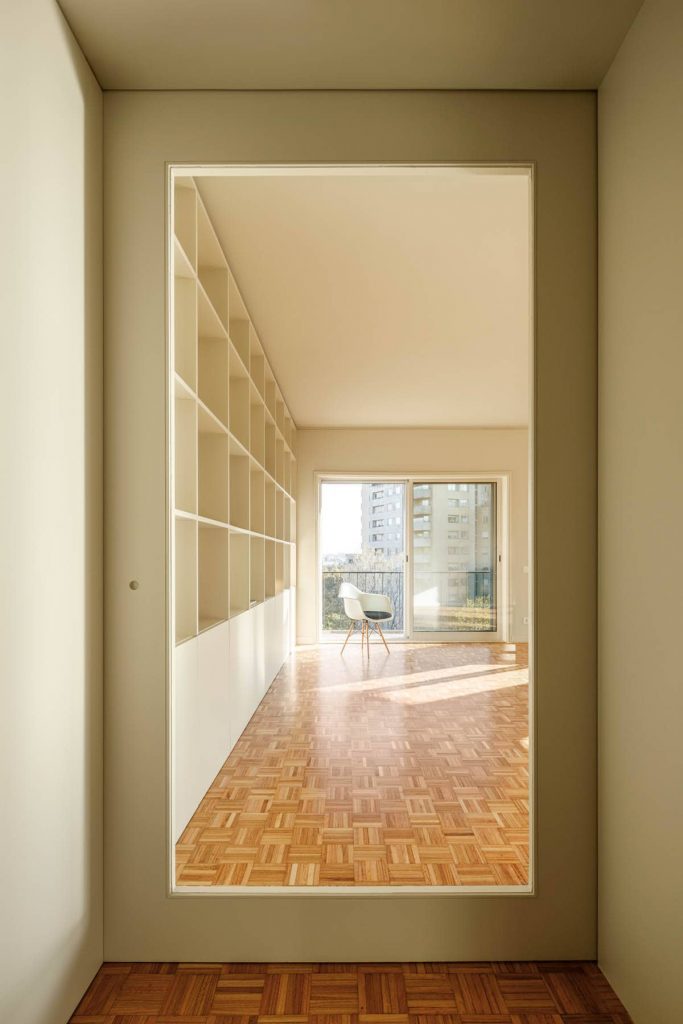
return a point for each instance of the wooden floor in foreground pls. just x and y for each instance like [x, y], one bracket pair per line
[406, 768]
[413, 993]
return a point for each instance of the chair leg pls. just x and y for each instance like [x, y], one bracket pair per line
[379, 630]
[351, 629]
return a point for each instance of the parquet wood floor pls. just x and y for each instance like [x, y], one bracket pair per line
[408, 768]
[414, 993]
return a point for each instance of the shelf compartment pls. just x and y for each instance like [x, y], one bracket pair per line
[185, 329]
[270, 449]
[270, 394]
[239, 573]
[279, 567]
[214, 376]
[286, 472]
[287, 531]
[214, 575]
[239, 488]
[279, 515]
[209, 250]
[185, 455]
[185, 217]
[238, 309]
[214, 281]
[270, 546]
[257, 364]
[287, 432]
[209, 322]
[280, 413]
[257, 571]
[257, 436]
[214, 463]
[279, 461]
[239, 336]
[181, 263]
[269, 508]
[256, 500]
[240, 400]
[185, 579]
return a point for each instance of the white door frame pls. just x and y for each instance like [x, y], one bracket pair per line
[501, 479]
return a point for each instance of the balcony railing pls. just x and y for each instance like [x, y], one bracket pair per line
[450, 601]
[454, 601]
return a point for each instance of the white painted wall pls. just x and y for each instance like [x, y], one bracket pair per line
[404, 452]
[641, 498]
[51, 522]
[142, 132]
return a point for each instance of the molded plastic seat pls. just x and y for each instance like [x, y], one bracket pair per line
[365, 608]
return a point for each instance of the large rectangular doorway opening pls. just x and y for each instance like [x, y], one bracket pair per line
[350, 552]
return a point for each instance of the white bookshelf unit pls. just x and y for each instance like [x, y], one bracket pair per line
[233, 473]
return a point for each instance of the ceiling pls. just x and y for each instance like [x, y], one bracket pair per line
[350, 44]
[388, 298]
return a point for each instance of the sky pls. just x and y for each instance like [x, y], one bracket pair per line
[340, 519]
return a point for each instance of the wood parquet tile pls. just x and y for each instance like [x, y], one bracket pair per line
[411, 993]
[408, 768]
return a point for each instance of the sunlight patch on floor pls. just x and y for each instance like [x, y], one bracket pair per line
[452, 688]
[414, 678]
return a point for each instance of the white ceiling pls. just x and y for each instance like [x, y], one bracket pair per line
[396, 298]
[350, 44]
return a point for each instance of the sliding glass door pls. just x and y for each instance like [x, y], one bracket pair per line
[455, 561]
[432, 547]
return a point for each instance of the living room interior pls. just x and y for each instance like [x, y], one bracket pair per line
[328, 696]
[271, 273]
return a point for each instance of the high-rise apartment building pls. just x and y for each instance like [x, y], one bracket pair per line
[383, 520]
[453, 535]
[453, 523]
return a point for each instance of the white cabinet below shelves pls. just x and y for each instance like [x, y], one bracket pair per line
[276, 635]
[257, 632]
[219, 679]
[242, 683]
[201, 718]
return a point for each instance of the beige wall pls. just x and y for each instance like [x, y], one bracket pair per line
[51, 316]
[405, 452]
[641, 497]
[144, 131]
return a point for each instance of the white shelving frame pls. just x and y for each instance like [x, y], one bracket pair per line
[233, 439]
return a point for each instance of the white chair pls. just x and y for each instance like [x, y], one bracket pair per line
[368, 609]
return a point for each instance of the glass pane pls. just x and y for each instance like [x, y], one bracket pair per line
[454, 557]
[362, 541]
